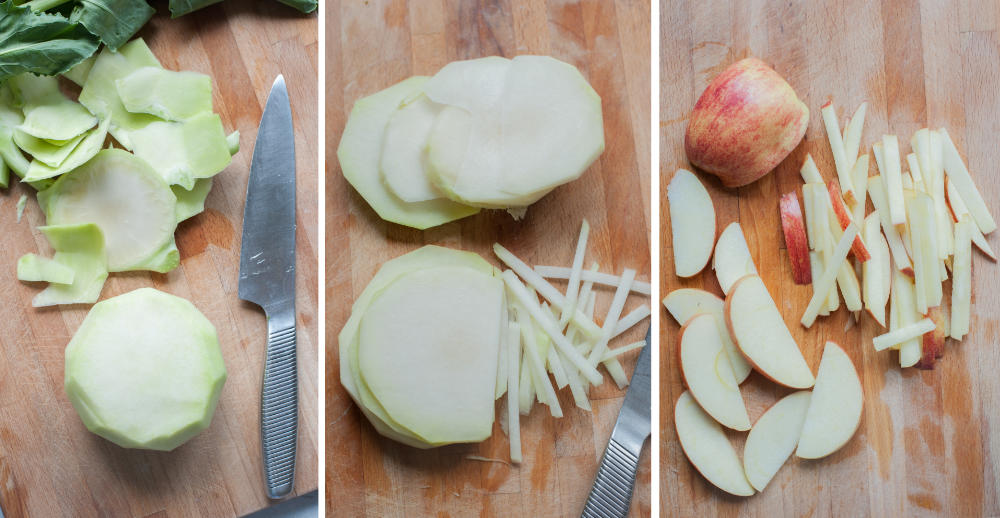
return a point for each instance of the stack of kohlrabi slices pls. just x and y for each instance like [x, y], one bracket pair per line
[491, 133]
[439, 334]
[111, 210]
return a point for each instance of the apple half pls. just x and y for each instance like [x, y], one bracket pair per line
[773, 438]
[692, 223]
[685, 303]
[760, 332]
[705, 444]
[835, 407]
[708, 374]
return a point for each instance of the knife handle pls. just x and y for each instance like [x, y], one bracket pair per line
[611, 495]
[279, 419]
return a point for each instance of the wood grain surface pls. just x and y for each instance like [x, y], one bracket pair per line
[374, 44]
[49, 464]
[929, 441]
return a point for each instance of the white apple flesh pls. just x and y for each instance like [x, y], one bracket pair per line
[835, 407]
[773, 438]
[692, 223]
[705, 444]
[685, 303]
[708, 374]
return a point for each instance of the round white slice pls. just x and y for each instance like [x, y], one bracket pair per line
[144, 370]
[708, 374]
[121, 194]
[428, 352]
[360, 152]
[707, 447]
[685, 303]
[835, 410]
[760, 332]
[404, 162]
[692, 223]
[773, 438]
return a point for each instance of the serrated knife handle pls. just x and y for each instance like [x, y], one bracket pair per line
[611, 495]
[279, 418]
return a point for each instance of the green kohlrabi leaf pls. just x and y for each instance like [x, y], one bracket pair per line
[41, 43]
[306, 6]
[182, 7]
[114, 21]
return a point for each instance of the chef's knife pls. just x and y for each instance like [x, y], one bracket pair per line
[267, 278]
[612, 491]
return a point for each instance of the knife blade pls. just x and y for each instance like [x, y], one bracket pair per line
[267, 278]
[612, 491]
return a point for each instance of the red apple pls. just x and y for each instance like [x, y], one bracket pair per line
[795, 238]
[745, 123]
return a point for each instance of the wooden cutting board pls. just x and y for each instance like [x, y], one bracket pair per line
[49, 464]
[928, 441]
[372, 45]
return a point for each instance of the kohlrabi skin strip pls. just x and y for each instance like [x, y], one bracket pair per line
[35, 268]
[183, 152]
[83, 152]
[79, 248]
[48, 114]
[126, 198]
[145, 370]
[360, 152]
[47, 153]
[100, 94]
[191, 203]
[167, 94]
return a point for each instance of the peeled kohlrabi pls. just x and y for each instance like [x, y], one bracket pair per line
[48, 114]
[81, 249]
[427, 257]
[81, 153]
[428, 350]
[539, 128]
[144, 370]
[404, 163]
[128, 200]
[360, 152]
[32, 267]
[167, 94]
[191, 203]
[100, 95]
[182, 152]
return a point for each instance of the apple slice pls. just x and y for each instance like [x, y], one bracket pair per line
[933, 340]
[796, 241]
[809, 171]
[817, 212]
[906, 314]
[732, 258]
[876, 272]
[853, 130]
[708, 374]
[920, 209]
[958, 209]
[834, 408]
[860, 173]
[842, 162]
[847, 279]
[959, 174]
[685, 303]
[893, 176]
[773, 438]
[760, 332]
[961, 283]
[823, 286]
[858, 247]
[705, 444]
[692, 223]
[902, 334]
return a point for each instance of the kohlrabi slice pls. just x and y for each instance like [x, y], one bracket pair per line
[360, 152]
[404, 163]
[89, 146]
[145, 370]
[44, 151]
[544, 131]
[78, 74]
[125, 197]
[167, 94]
[48, 114]
[35, 268]
[183, 152]
[191, 203]
[81, 249]
[427, 257]
[100, 95]
[428, 352]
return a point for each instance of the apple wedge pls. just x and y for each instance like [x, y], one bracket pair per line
[835, 406]
[858, 247]
[760, 332]
[933, 340]
[705, 444]
[961, 282]
[708, 374]
[796, 241]
[692, 223]
[685, 303]
[773, 438]
[732, 258]
[876, 271]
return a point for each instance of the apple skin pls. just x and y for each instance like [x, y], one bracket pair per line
[746, 121]
[796, 242]
[933, 341]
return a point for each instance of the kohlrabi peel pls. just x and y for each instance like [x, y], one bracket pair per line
[145, 370]
[182, 152]
[127, 199]
[79, 248]
[360, 153]
[45, 152]
[85, 150]
[35, 268]
[167, 94]
[191, 203]
[48, 114]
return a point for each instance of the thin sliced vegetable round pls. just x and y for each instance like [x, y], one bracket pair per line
[404, 163]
